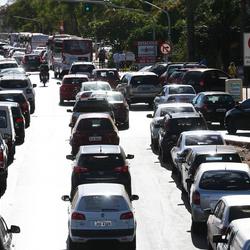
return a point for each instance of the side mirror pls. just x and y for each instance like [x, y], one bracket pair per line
[70, 157]
[180, 158]
[14, 229]
[58, 83]
[208, 210]
[34, 85]
[189, 181]
[65, 198]
[149, 116]
[134, 197]
[69, 110]
[217, 238]
[129, 156]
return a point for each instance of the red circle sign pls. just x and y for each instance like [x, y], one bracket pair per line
[165, 48]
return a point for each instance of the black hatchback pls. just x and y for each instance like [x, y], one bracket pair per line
[100, 163]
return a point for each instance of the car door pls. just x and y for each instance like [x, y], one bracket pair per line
[185, 166]
[243, 117]
[176, 149]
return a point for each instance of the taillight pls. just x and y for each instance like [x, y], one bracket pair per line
[77, 216]
[202, 83]
[127, 216]
[19, 120]
[1, 156]
[25, 106]
[123, 169]
[196, 198]
[79, 170]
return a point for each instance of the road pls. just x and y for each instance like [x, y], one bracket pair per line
[40, 175]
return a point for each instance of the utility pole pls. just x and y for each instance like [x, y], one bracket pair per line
[190, 29]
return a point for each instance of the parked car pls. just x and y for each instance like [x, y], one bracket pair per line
[70, 86]
[101, 211]
[237, 236]
[31, 62]
[203, 154]
[238, 117]
[171, 127]
[82, 68]
[101, 163]
[6, 237]
[211, 182]
[187, 92]
[139, 87]
[158, 116]
[19, 97]
[4, 162]
[205, 79]
[227, 209]
[93, 128]
[19, 82]
[213, 105]
[190, 139]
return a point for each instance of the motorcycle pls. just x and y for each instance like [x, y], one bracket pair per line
[44, 78]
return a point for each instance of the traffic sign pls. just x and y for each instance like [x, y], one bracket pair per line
[165, 48]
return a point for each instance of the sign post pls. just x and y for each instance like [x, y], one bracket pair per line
[234, 88]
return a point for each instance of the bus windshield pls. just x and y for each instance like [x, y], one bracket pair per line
[77, 46]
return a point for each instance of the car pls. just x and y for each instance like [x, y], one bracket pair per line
[22, 82]
[213, 105]
[82, 67]
[186, 92]
[190, 139]
[90, 105]
[14, 71]
[31, 62]
[238, 117]
[205, 79]
[227, 209]
[171, 127]
[197, 155]
[158, 68]
[211, 182]
[109, 75]
[101, 163]
[139, 87]
[176, 76]
[93, 128]
[101, 211]
[8, 63]
[19, 97]
[4, 162]
[237, 236]
[6, 236]
[18, 56]
[159, 113]
[70, 86]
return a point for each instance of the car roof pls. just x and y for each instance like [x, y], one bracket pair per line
[8, 61]
[178, 104]
[214, 149]
[75, 76]
[10, 104]
[93, 115]
[214, 166]
[204, 69]
[236, 200]
[105, 69]
[13, 77]
[83, 63]
[101, 189]
[100, 149]
[141, 73]
[184, 115]
[201, 132]
[95, 82]
[177, 86]
[12, 91]
[214, 93]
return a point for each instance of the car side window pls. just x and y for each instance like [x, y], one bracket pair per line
[217, 208]
[221, 210]
[199, 99]
[245, 104]
[124, 80]
[178, 144]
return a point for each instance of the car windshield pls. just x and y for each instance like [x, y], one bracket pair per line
[165, 110]
[81, 68]
[183, 124]
[225, 180]
[13, 84]
[102, 203]
[181, 90]
[204, 140]
[101, 161]
[87, 106]
[144, 80]
[238, 212]
[215, 99]
[94, 124]
[3, 119]
[96, 86]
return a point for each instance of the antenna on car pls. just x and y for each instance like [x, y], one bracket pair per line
[100, 149]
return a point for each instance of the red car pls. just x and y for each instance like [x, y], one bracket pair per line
[71, 85]
[93, 128]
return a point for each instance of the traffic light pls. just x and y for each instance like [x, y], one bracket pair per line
[88, 7]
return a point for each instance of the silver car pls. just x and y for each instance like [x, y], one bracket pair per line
[211, 182]
[101, 211]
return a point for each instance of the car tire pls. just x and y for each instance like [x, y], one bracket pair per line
[61, 101]
[195, 227]
[129, 245]
[209, 246]
[126, 125]
[32, 108]
[72, 245]
[154, 145]
[231, 130]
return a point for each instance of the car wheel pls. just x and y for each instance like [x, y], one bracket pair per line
[72, 245]
[154, 144]
[32, 108]
[61, 101]
[209, 246]
[126, 125]
[55, 74]
[163, 156]
[196, 226]
[129, 245]
[231, 130]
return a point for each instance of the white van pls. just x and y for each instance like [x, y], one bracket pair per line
[237, 236]
[7, 130]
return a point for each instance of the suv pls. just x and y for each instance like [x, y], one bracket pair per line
[22, 82]
[172, 126]
[82, 67]
[8, 63]
[31, 62]
[101, 163]
[139, 87]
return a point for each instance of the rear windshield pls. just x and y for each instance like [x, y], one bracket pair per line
[107, 74]
[144, 80]
[12, 98]
[215, 99]
[194, 76]
[180, 98]
[3, 119]
[219, 158]
[115, 97]
[225, 180]
[14, 84]
[181, 90]
[82, 68]
[183, 124]
[98, 86]
[239, 212]
[101, 203]
[95, 124]
[204, 140]
[8, 65]
[74, 80]
[165, 110]
[101, 161]
[85, 106]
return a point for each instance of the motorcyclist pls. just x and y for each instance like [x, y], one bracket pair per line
[44, 70]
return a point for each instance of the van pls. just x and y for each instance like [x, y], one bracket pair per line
[237, 236]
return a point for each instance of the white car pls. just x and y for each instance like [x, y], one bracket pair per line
[82, 68]
[227, 209]
[189, 139]
[101, 211]
[159, 114]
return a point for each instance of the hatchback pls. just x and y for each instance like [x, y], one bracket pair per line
[31, 62]
[101, 211]
[93, 128]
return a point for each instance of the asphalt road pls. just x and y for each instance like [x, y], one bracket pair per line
[40, 175]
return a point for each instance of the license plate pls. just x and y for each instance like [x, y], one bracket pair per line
[106, 223]
[221, 110]
[95, 138]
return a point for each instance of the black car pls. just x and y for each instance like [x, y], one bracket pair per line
[213, 105]
[172, 126]
[31, 62]
[101, 163]
[238, 117]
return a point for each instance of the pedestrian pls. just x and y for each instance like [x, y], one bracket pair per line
[102, 57]
[232, 71]
[116, 60]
